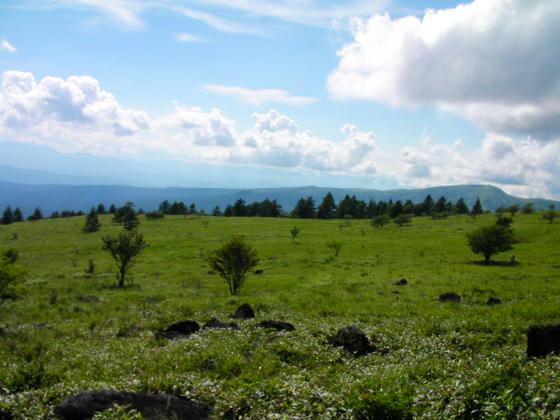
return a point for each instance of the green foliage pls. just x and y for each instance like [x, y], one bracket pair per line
[434, 361]
[8, 216]
[155, 215]
[92, 222]
[126, 216]
[549, 215]
[233, 261]
[477, 208]
[10, 274]
[490, 240]
[402, 219]
[294, 232]
[380, 221]
[528, 209]
[37, 215]
[327, 207]
[334, 247]
[124, 249]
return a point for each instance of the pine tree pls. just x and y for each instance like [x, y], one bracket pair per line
[92, 222]
[100, 209]
[18, 215]
[477, 208]
[37, 215]
[8, 217]
[327, 208]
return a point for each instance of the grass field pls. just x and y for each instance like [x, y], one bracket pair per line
[434, 360]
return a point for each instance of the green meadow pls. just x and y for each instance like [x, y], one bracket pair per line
[433, 359]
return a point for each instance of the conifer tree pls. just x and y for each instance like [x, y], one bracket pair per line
[92, 222]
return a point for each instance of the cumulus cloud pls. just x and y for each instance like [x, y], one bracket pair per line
[494, 62]
[525, 167]
[63, 112]
[6, 46]
[260, 96]
[77, 115]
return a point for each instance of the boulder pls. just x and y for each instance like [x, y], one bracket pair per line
[151, 406]
[493, 301]
[179, 329]
[259, 271]
[449, 297]
[543, 340]
[215, 323]
[244, 312]
[352, 339]
[401, 282]
[277, 325]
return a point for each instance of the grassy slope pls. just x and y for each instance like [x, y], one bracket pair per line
[438, 360]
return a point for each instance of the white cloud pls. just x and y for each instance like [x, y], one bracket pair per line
[494, 62]
[77, 115]
[526, 167]
[260, 96]
[184, 37]
[6, 46]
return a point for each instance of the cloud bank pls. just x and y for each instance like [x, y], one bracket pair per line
[76, 115]
[493, 62]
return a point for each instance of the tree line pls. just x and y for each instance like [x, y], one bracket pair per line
[349, 207]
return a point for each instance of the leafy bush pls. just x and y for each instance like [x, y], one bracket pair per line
[123, 249]
[489, 240]
[294, 232]
[402, 219]
[380, 221]
[335, 247]
[233, 261]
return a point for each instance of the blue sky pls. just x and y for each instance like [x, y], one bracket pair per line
[375, 94]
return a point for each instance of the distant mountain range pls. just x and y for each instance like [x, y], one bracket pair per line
[52, 197]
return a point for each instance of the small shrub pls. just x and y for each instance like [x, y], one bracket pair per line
[402, 219]
[155, 215]
[335, 247]
[380, 221]
[124, 249]
[233, 261]
[294, 232]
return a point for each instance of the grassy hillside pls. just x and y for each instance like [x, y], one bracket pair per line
[438, 360]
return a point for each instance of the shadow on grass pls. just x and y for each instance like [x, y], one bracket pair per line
[496, 263]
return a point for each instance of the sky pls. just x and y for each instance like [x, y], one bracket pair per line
[242, 93]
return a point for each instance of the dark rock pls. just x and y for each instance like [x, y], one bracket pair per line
[259, 271]
[543, 339]
[449, 297]
[215, 323]
[277, 325]
[151, 406]
[352, 339]
[493, 301]
[396, 292]
[244, 312]
[401, 282]
[211, 272]
[89, 298]
[179, 329]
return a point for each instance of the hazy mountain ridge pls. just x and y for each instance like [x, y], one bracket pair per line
[82, 197]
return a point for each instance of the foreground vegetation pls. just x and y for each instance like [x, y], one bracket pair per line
[434, 360]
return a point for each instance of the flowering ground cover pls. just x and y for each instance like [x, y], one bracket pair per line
[432, 359]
